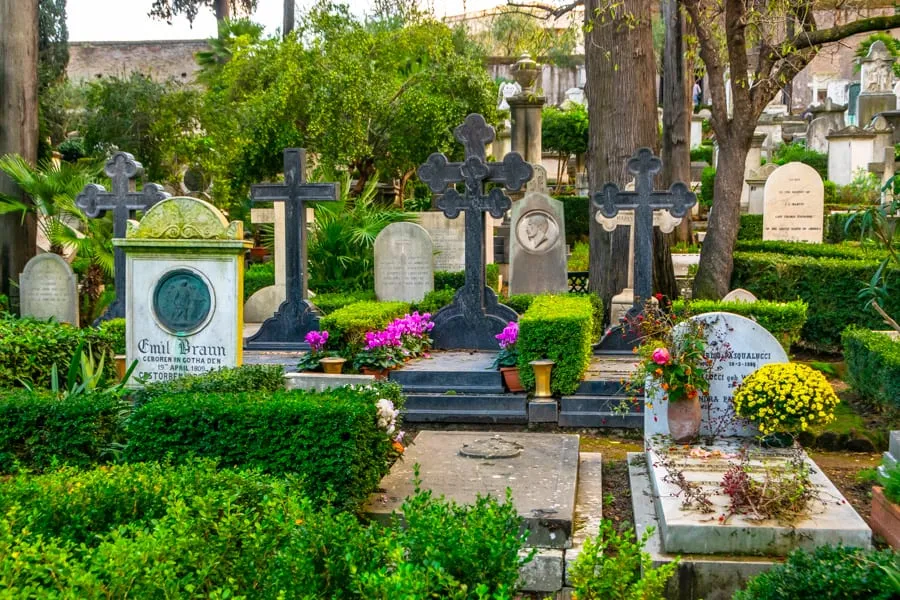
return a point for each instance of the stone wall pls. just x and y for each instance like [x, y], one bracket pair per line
[162, 60]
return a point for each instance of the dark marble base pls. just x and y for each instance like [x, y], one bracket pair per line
[621, 339]
[543, 412]
[464, 324]
[116, 310]
[287, 328]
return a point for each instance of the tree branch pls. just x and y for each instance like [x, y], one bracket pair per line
[548, 9]
[714, 68]
[809, 39]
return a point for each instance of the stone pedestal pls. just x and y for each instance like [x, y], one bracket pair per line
[831, 112]
[870, 104]
[525, 112]
[751, 163]
[850, 150]
[756, 183]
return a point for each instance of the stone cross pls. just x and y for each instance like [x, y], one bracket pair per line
[296, 316]
[475, 316]
[643, 201]
[94, 200]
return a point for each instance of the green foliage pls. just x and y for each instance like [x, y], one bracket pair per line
[873, 365]
[891, 482]
[330, 302]
[558, 328]
[257, 277]
[848, 251]
[890, 42]
[580, 260]
[166, 10]
[796, 152]
[519, 302]
[614, 566]
[192, 531]
[41, 430]
[29, 348]
[577, 211]
[703, 153]
[829, 285]
[434, 300]
[263, 379]
[828, 573]
[53, 42]
[751, 227]
[453, 280]
[331, 440]
[864, 189]
[347, 326]
[784, 320]
[565, 131]
[513, 32]
[114, 331]
[707, 187]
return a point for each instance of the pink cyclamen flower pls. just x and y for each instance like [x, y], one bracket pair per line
[661, 356]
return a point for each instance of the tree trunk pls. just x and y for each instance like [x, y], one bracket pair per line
[18, 126]
[621, 96]
[223, 10]
[288, 17]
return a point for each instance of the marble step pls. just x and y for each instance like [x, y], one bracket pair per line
[599, 411]
[466, 408]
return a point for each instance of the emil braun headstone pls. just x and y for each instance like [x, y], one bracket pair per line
[185, 273]
[738, 347]
[48, 290]
[403, 263]
[538, 246]
[794, 209]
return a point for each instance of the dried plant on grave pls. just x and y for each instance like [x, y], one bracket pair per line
[692, 494]
[782, 493]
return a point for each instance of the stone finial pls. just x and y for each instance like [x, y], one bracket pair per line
[526, 72]
[183, 218]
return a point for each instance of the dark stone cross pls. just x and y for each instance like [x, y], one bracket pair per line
[296, 317]
[94, 200]
[475, 316]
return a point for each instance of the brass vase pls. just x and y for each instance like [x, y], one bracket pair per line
[542, 370]
[333, 365]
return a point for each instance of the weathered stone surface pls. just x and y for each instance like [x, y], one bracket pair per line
[319, 382]
[817, 134]
[185, 219]
[538, 246]
[448, 237]
[403, 263]
[47, 289]
[258, 307]
[588, 506]
[545, 571]
[850, 151]
[739, 295]
[794, 204]
[538, 183]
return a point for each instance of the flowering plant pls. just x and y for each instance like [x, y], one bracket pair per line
[785, 396]
[509, 354]
[413, 331]
[672, 354]
[316, 341]
[401, 339]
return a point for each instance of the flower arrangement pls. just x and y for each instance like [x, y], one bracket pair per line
[508, 355]
[402, 339]
[316, 341]
[387, 415]
[785, 397]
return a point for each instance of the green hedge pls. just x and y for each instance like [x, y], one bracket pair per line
[703, 153]
[847, 250]
[257, 277]
[331, 439]
[453, 280]
[347, 326]
[873, 365]
[751, 227]
[577, 212]
[332, 301]
[784, 320]
[559, 328]
[40, 430]
[707, 187]
[246, 378]
[830, 286]
[30, 348]
[154, 531]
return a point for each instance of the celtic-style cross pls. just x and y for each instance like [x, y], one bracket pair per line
[296, 317]
[475, 316]
[94, 200]
[643, 201]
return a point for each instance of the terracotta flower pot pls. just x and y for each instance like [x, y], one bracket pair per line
[885, 518]
[378, 373]
[511, 379]
[684, 420]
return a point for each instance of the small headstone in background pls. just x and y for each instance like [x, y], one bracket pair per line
[47, 290]
[539, 183]
[538, 246]
[756, 181]
[817, 134]
[850, 150]
[794, 204]
[449, 239]
[403, 263]
[740, 295]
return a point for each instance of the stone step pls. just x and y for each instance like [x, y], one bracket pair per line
[600, 403]
[599, 411]
[466, 408]
[601, 387]
[486, 381]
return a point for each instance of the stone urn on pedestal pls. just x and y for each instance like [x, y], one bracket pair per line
[526, 72]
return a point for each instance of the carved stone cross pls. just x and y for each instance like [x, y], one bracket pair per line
[475, 316]
[296, 317]
[643, 201]
[94, 200]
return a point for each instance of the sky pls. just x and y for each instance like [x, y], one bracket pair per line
[117, 20]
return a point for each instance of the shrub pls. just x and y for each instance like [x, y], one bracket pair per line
[519, 302]
[453, 280]
[434, 301]
[830, 287]
[829, 572]
[703, 153]
[348, 325]
[786, 153]
[257, 277]
[891, 482]
[873, 365]
[580, 260]
[29, 349]
[332, 301]
[784, 320]
[558, 328]
[707, 186]
[751, 227]
[848, 250]
[577, 212]
[40, 430]
[114, 331]
[247, 378]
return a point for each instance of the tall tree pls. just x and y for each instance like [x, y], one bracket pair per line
[18, 125]
[169, 9]
[53, 42]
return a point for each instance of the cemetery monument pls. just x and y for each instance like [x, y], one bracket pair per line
[404, 266]
[48, 290]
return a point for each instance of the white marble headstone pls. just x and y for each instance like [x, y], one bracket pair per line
[740, 295]
[448, 237]
[794, 209]
[403, 263]
[47, 290]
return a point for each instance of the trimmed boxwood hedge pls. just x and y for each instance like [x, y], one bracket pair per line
[784, 320]
[347, 326]
[848, 250]
[257, 277]
[247, 378]
[751, 227]
[332, 301]
[830, 286]
[873, 365]
[453, 280]
[558, 328]
[331, 439]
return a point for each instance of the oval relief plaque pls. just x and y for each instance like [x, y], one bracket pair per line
[537, 231]
[182, 301]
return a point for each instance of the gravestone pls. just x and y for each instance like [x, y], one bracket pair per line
[850, 151]
[740, 295]
[817, 134]
[538, 183]
[47, 290]
[538, 246]
[296, 317]
[832, 112]
[185, 265]
[794, 204]
[95, 201]
[756, 181]
[738, 347]
[403, 263]
[876, 83]
[475, 316]
[448, 237]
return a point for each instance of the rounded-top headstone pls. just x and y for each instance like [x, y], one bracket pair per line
[404, 263]
[47, 289]
[740, 295]
[794, 204]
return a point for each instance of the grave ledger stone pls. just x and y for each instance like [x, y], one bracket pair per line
[185, 266]
[538, 256]
[475, 316]
[95, 201]
[794, 205]
[404, 267]
[296, 316]
[47, 290]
